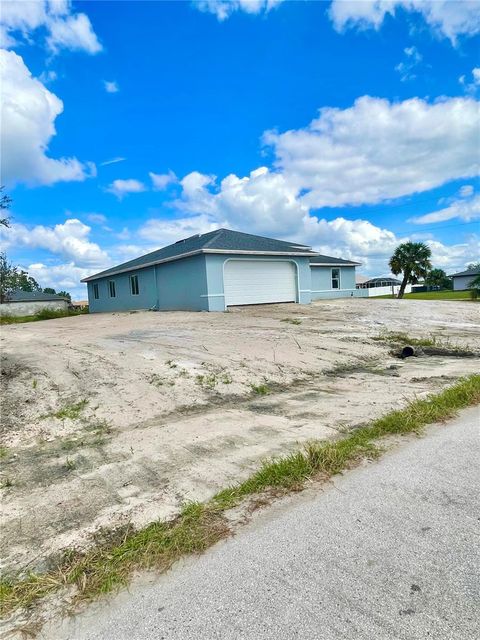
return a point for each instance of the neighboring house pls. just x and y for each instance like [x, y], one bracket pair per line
[222, 268]
[462, 279]
[28, 303]
[382, 286]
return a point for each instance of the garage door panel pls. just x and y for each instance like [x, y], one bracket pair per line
[259, 282]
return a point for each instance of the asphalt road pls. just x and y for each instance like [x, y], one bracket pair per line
[390, 550]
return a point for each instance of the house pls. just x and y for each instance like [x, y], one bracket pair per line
[212, 271]
[382, 286]
[28, 303]
[462, 279]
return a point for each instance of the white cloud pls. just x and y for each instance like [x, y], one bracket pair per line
[61, 277]
[161, 181]
[112, 161]
[68, 240]
[406, 68]
[471, 87]
[466, 191]
[377, 150]
[446, 18]
[64, 28]
[111, 86]
[161, 232]
[223, 9]
[461, 209]
[97, 218]
[121, 188]
[29, 111]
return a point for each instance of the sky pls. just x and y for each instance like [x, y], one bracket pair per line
[350, 126]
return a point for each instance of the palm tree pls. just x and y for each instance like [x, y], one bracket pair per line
[413, 260]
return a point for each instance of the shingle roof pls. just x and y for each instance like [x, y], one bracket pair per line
[386, 279]
[32, 296]
[327, 260]
[215, 241]
[467, 272]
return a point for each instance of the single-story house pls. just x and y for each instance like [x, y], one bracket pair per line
[462, 279]
[379, 282]
[215, 270]
[28, 303]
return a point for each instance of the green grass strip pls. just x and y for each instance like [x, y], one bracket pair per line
[107, 566]
[44, 314]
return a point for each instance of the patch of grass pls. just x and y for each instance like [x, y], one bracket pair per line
[291, 320]
[3, 452]
[44, 314]
[260, 389]
[70, 464]
[105, 567]
[6, 484]
[156, 380]
[171, 364]
[433, 295]
[211, 379]
[431, 345]
[207, 380]
[70, 411]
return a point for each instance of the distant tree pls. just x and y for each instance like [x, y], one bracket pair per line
[64, 294]
[5, 203]
[49, 290]
[24, 282]
[413, 260]
[8, 276]
[474, 265]
[438, 278]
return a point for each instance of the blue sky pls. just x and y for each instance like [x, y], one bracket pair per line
[347, 126]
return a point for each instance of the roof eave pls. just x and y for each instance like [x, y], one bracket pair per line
[103, 274]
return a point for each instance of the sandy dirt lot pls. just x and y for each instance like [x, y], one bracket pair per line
[116, 418]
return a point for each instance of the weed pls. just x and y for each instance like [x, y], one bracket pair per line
[34, 384]
[3, 452]
[344, 369]
[6, 484]
[226, 378]
[105, 567]
[291, 320]
[156, 380]
[70, 411]
[70, 464]
[171, 364]
[432, 344]
[260, 389]
[207, 381]
[44, 314]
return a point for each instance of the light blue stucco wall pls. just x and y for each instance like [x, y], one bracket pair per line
[215, 264]
[182, 284]
[124, 301]
[172, 285]
[322, 283]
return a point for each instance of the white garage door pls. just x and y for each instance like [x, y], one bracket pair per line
[259, 282]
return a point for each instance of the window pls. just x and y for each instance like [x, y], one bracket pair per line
[134, 290]
[111, 288]
[335, 278]
[95, 291]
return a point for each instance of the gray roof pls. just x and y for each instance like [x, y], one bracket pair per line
[467, 272]
[32, 296]
[386, 279]
[218, 241]
[328, 260]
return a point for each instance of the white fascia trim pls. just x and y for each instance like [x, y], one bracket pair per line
[212, 295]
[193, 253]
[335, 264]
[304, 290]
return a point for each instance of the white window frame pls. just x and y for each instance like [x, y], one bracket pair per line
[112, 288]
[137, 287]
[338, 279]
